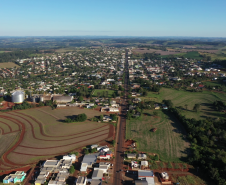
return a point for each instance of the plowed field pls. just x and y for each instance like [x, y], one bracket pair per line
[34, 134]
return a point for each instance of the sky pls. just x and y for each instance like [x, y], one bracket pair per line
[195, 18]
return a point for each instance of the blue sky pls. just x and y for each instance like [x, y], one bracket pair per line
[206, 18]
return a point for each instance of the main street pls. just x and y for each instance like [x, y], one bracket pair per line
[121, 131]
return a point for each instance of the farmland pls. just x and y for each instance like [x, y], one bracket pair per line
[43, 134]
[182, 98]
[145, 50]
[168, 141]
[8, 65]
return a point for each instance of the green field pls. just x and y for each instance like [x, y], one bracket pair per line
[110, 92]
[183, 98]
[168, 141]
[8, 65]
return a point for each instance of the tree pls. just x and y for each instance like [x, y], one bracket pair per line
[101, 117]
[196, 107]
[113, 116]
[113, 142]
[80, 98]
[71, 169]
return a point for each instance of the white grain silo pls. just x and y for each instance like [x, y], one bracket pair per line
[18, 96]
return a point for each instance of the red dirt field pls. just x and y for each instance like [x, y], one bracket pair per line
[6, 105]
[42, 140]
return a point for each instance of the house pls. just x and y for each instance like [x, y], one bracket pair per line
[81, 181]
[164, 107]
[97, 174]
[105, 155]
[106, 118]
[70, 157]
[103, 148]
[147, 175]
[93, 146]
[131, 156]
[136, 100]
[144, 163]
[19, 176]
[104, 166]
[65, 164]
[40, 181]
[113, 109]
[157, 106]
[142, 156]
[51, 164]
[88, 161]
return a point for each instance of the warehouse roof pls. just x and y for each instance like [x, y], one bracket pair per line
[90, 158]
[97, 174]
[145, 173]
[63, 98]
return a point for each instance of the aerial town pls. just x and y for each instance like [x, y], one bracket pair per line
[108, 115]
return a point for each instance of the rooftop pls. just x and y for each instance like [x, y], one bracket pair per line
[145, 173]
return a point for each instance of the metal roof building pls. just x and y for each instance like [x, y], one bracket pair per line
[62, 99]
[145, 173]
[88, 161]
[97, 174]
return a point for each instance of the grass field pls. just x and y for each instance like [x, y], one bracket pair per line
[167, 141]
[182, 98]
[63, 50]
[44, 134]
[110, 92]
[193, 55]
[8, 65]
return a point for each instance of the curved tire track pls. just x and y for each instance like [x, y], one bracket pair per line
[43, 134]
[10, 128]
[4, 156]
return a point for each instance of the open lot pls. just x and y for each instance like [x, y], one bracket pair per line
[43, 134]
[168, 141]
[183, 98]
[8, 65]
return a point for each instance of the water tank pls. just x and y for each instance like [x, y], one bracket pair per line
[18, 96]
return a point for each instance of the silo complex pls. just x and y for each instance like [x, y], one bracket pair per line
[18, 96]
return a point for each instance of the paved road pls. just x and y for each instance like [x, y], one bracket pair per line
[121, 132]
